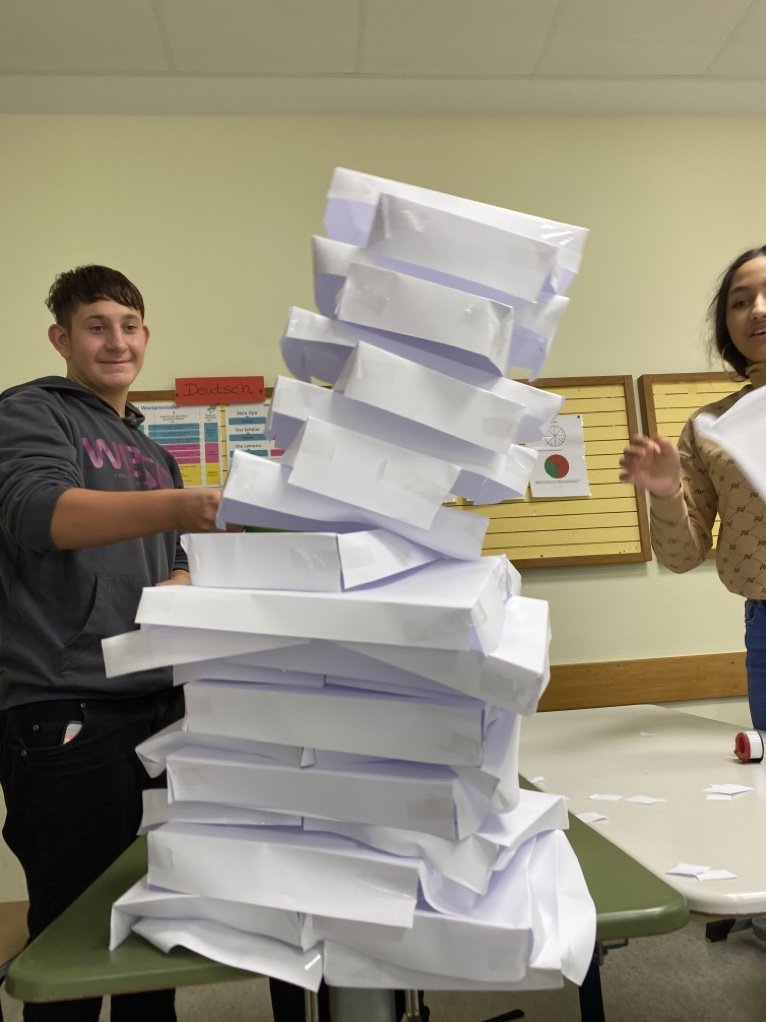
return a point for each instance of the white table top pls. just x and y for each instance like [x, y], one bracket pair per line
[663, 753]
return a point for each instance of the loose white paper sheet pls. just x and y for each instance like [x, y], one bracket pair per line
[560, 470]
[157, 810]
[257, 492]
[738, 431]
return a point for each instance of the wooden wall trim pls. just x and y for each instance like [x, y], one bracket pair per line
[659, 680]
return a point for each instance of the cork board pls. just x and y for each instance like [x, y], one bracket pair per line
[608, 527]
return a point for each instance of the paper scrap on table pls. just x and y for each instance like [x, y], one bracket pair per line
[605, 798]
[590, 817]
[727, 789]
[644, 800]
[689, 869]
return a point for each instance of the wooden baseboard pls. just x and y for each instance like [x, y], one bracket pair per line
[660, 680]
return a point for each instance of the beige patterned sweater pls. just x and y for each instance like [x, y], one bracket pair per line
[712, 484]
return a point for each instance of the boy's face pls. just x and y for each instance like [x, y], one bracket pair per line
[103, 348]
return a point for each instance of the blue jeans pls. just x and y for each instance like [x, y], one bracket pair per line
[73, 807]
[755, 660]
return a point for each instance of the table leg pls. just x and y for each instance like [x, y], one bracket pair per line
[591, 1001]
[347, 1005]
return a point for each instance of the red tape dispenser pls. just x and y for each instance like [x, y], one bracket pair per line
[749, 746]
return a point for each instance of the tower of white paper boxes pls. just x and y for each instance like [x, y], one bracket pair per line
[343, 798]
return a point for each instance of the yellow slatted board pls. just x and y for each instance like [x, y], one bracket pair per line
[668, 399]
[608, 527]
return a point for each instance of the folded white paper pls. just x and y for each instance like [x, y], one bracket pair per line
[444, 605]
[369, 473]
[467, 328]
[316, 562]
[283, 869]
[257, 492]
[340, 720]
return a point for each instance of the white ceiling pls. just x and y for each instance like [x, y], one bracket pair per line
[533, 57]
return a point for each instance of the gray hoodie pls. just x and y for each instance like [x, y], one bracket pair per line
[57, 605]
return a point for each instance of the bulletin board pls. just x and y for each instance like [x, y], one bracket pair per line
[608, 527]
[668, 399]
[202, 437]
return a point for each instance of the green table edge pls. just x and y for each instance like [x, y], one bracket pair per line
[71, 960]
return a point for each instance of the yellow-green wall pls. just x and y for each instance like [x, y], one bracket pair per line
[212, 218]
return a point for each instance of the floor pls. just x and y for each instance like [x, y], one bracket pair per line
[678, 977]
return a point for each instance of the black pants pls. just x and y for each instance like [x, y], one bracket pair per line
[72, 808]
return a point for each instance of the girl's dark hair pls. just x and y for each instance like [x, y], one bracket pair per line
[87, 284]
[720, 339]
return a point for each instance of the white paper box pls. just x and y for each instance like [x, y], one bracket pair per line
[318, 873]
[257, 493]
[444, 605]
[535, 320]
[383, 380]
[143, 901]
[340, 720]
[513, 675]
[320, 562]
[295, 401]
[315, 346]
[353, 197]
[406, 232]
[368, 473]
[320, 664]
[467, 328]
[403, 795]
[239, 950]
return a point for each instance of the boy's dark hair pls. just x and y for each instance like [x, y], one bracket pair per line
[87, 284]
[720, 338]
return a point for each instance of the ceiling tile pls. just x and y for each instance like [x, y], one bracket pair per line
[89, 37]
[452, 37]
[742, 55]
[231, 37]
[624, 37]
